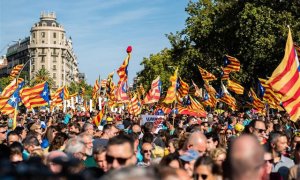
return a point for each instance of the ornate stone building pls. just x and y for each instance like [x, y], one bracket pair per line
[49, 48]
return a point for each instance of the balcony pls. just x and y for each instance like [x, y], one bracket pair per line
[54, 54]
[42, 54]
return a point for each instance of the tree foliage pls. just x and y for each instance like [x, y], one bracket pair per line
[4, 81]
[41, 76]
[253, 31]
[76, 87]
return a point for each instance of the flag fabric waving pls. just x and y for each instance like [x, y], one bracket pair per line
[235, 87]
[15, 71]
[182, 88]
[9, 90]
[121, 93]
[231, 64]
[206, 75]
[61, 94]
[36, 96]
[123, 71]
[225, 73]
[286, 80]
[225, 97]
[134, 107]
[95, 89]
[272, 98]
[11, 103]
[97, 119]
[255, 101]
[154, 93]
[171, 93]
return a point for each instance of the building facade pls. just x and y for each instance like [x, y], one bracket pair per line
[49, 48]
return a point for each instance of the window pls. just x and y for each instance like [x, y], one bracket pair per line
[43, 34]
[43, 41]
[33, 35]
[54, 75]
[43, 59]
[53, 25]
[54, 35]
[54, 59]
[54, 67]
[62, 36]
[43, 66]
[54, 42]
[62, 76]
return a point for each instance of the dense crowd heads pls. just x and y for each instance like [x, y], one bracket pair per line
[224, 145]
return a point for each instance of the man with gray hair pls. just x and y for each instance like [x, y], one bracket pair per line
[87, 140]
[88, 128]
[76, 148]
[247, 159]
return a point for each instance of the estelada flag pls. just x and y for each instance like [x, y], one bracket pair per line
[286, 80]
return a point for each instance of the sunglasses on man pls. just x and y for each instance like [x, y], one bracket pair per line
[121, 161]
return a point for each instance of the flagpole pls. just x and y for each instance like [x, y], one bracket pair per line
[17, 84]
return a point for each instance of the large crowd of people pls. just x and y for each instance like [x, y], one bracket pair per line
[224, 145]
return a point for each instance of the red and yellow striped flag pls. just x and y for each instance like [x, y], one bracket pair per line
[231, 63]
[134, 107]
[206, 76]
[95, 89]
[183, 89]
[171, 93]
[123, 71]
[235, 87]
[225, 73]
[97, 119]
[286, 80]
[256, 102]
[36, 96]
[227, 98]
[15, 71]
[196, 105]
[154, 93]
[272, 98]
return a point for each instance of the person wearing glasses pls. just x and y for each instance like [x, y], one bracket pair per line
[203, 169]
[258, 128]
[120, 152]
[146, 151]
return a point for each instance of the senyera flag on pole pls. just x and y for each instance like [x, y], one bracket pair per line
[286, 80]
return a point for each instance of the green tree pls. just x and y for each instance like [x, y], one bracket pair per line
[4, 81]
[253, 31]
[41, 76]
[76, 87]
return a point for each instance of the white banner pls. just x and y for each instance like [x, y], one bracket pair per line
[156, 119]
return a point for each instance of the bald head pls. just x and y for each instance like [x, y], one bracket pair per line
[247, 158]
[197, 142]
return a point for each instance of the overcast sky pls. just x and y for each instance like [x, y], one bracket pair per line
[101, 30]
